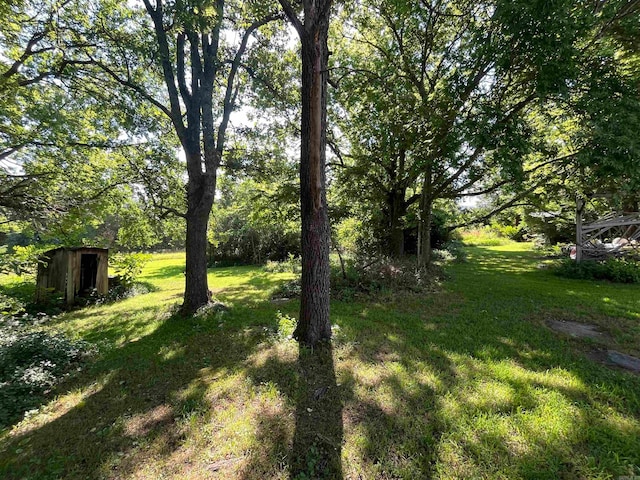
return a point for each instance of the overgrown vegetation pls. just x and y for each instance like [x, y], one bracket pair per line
[127, 268]
[33, 361]
[290, 265]
[379, 277]
[383, 277]
[619, 270]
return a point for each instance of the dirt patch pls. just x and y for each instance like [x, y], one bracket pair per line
[615, 359]
[624, 361]
[611, 358]
[578, 330]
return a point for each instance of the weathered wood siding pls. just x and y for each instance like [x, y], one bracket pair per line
[52, 274]
[60, 272]
[73, 277]
[102, 280]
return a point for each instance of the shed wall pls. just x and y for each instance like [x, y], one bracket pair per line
[62, 272]
[52, 275]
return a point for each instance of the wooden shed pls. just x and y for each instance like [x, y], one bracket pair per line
[72, 272]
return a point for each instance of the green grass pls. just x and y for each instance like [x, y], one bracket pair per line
[483, 237]
[464, 383]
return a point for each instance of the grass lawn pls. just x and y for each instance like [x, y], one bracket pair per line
[464, 383]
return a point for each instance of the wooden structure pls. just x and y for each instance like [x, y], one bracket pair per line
[614, 235]
[72, 272]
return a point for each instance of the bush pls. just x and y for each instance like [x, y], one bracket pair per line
[290, 265]
[286, 325]
[369, 277]
[128, 266]
[31, 362]
[511, 232]
[452, 252]
[382, 275]
[551, 251]
[290, 289]
[617, 270]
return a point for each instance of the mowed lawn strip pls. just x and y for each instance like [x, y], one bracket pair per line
[468, 382]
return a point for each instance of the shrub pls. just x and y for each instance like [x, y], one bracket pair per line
[290, 265]
[31, 362]
[290, 289]
[618, 270]
[286, 325]
[551, 251]
[368, 277]
[382, 275]
[128, 266]
[511, 232]
[451, 252]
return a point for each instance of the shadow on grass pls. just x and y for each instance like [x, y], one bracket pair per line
[166, 272]
[134, 403]
[473, 394]
[308, 385]
[317, 441]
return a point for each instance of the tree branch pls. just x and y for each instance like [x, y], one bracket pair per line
[175, 112]
[229, 100]
[293, 17]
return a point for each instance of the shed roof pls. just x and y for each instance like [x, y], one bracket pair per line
[75, 249]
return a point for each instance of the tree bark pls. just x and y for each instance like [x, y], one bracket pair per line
[397, 209]
[200, 197]
[426, 215]
[424, 256]
[314, 324]
[196, 292]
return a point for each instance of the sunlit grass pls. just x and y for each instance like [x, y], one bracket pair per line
[483, 236]
[467, 382]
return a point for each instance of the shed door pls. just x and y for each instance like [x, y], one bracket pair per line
[88, 272]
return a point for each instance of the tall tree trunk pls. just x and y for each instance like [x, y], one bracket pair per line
[314, 323]
[200, 197]
[397, 210]
[196, 291]
[426, 215]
